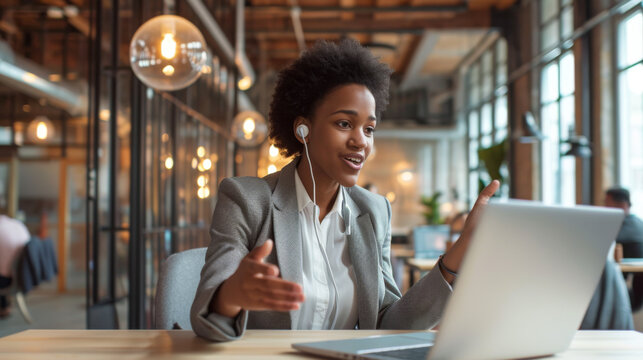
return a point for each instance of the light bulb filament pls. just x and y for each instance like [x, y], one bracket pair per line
[168, 46]
[41, 131]
[248, 126]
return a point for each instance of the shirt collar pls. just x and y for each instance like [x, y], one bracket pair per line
[303, 200]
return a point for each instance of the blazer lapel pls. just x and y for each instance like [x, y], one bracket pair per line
[362, 247]
[286, 226]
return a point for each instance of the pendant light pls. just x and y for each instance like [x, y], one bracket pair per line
[40, 129]
[168, 53]
[249, 128]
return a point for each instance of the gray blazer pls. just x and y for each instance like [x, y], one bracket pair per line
[251, 210]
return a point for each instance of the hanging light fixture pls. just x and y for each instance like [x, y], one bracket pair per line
[579, 146]
[168, 53]
[249, 128]
[40, 129]
[169, 162]
[530, 131]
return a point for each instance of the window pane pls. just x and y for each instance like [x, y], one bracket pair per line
[549, 86]
[473, 154]
[630, 40]
[501, 51]
[549, 121]
[473, 187]
[567, 118]
[567, 74]
[548, 9]
[486, 141]
[501, 112]
[487, 75]
[631, 134]
[568, 180]
[549, 36]
[501, 134]
[550, 153]
[486, 122]
[473, 125]
[474, 76]
[567, 22]
[501, 62]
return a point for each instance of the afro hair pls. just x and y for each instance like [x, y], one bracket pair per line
[320, 69]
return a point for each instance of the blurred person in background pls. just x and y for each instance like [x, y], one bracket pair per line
[630, 237]
[13, 237]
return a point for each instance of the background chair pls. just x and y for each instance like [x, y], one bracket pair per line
[635, 250]
[609, 308]
[15, 289]
[176, 287]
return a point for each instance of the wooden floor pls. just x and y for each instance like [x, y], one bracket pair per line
[51, 310]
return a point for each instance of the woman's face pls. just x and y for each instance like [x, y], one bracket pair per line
[341, 136]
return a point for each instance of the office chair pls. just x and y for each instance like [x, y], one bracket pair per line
[178, 280]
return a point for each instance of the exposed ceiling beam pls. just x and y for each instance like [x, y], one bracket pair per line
[362, 9]
[468, 20]
[429, 39]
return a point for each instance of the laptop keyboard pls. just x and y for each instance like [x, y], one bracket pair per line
[418, 353]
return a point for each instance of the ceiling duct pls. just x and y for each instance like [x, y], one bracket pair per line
[32, 79]
[241, 60]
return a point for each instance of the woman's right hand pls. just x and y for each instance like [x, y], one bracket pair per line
[256, 286]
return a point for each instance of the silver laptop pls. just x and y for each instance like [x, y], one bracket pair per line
[523, 289]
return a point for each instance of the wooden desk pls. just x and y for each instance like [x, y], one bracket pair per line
[402, 251]
[631, 265]
[264, 344]
[420, 265]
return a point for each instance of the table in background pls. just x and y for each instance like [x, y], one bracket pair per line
[264, 344]
[423, 265]
[631, 265]
[400, 253]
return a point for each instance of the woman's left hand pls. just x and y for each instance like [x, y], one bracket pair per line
[453, 257]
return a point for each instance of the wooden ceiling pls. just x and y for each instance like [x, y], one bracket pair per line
[393, 29]
[415, 37]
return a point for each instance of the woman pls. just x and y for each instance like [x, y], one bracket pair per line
[329, 265]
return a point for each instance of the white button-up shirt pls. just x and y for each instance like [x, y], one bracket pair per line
[320, 310]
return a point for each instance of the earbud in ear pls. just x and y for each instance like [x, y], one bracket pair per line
[302, 131]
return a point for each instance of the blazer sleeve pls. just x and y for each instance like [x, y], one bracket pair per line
[422, 305]
[233, 234]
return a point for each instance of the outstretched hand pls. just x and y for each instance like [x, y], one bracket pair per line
[453, 257]
[256, 286]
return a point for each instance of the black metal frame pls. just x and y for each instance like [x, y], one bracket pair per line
[147, 236]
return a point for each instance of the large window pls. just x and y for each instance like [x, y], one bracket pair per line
[486, 111]
[557, 103]
[630, 105]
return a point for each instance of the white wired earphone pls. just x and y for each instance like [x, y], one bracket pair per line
[302, 131]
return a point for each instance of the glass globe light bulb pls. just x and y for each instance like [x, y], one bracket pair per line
[245, 83]
[168, 53]
[249, 128]
[40, 129]
[201, 181]
[273, 152]
[169, 163]
[200, 151]
[207, 164]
